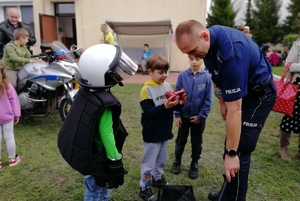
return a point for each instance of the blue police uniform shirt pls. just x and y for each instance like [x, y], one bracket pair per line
[235, 62]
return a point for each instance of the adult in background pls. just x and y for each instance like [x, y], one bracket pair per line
[247, 31]
[284, 55]
[274, 58]
[240, 27]
[8, 26]
[106, 35]
[265, 49]
[289, 124]
[245, 90]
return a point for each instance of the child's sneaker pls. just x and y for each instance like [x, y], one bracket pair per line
[147, 194]
[159, 183]
[14, 161]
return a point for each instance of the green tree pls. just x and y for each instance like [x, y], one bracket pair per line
[291, 23]
[248, 15]
[222, 13]
[266, 21]
[289, 39]
[296, 24]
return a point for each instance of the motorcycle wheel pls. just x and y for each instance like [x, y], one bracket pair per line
[64, 108]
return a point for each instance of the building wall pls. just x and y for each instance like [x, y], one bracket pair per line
[91, 13]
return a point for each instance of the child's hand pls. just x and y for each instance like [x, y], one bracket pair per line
[34, 60]
[16, 120]
[194, 120]
[180, 95]
[183, 98]
[171, 102]
[178, 122]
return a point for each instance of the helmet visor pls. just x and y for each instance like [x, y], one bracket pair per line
[122, 69]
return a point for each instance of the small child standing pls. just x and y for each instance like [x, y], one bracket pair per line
[9, 115]
[157, 122]
[191, 118]
[16, 55]
[92, 136]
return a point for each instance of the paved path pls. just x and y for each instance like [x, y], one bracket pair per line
[276, 77]
[140, 78]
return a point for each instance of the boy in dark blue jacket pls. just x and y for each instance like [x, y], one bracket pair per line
[197, 82]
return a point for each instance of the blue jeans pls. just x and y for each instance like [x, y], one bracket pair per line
[94, 192]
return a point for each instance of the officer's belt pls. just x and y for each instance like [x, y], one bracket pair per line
[264, 83]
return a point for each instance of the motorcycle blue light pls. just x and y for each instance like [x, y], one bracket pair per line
[58, 53]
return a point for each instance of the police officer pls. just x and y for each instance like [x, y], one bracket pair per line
[245, 90]
[8, 26]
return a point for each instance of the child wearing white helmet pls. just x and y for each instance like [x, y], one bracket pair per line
[92, 136]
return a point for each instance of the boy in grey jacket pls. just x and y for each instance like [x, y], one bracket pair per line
[157, 122]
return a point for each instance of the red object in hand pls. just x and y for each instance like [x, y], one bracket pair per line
[180, 92]
[175, 95]
[171, 96]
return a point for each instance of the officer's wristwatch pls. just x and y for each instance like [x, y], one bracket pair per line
[231, 153]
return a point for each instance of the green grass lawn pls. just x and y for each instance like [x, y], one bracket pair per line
[278, 70]
[43, 175]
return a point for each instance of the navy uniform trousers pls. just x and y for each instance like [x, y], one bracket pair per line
[255, 111]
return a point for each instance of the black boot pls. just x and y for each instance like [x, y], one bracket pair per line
[219, 195]
[214, 196]
[193, 173]
[176, 167]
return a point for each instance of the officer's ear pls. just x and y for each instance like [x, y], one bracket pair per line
[205, 35]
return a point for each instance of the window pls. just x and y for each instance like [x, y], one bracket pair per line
[27, 16]
[64, 10]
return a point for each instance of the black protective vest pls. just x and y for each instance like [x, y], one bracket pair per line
[76, 137]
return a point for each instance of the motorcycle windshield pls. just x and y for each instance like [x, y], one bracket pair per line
[58, 46]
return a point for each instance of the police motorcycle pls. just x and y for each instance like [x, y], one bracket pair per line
[47, 86]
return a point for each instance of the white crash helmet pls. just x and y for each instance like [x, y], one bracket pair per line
[103, 66]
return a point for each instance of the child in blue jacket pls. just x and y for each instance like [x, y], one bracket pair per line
[191, 118]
